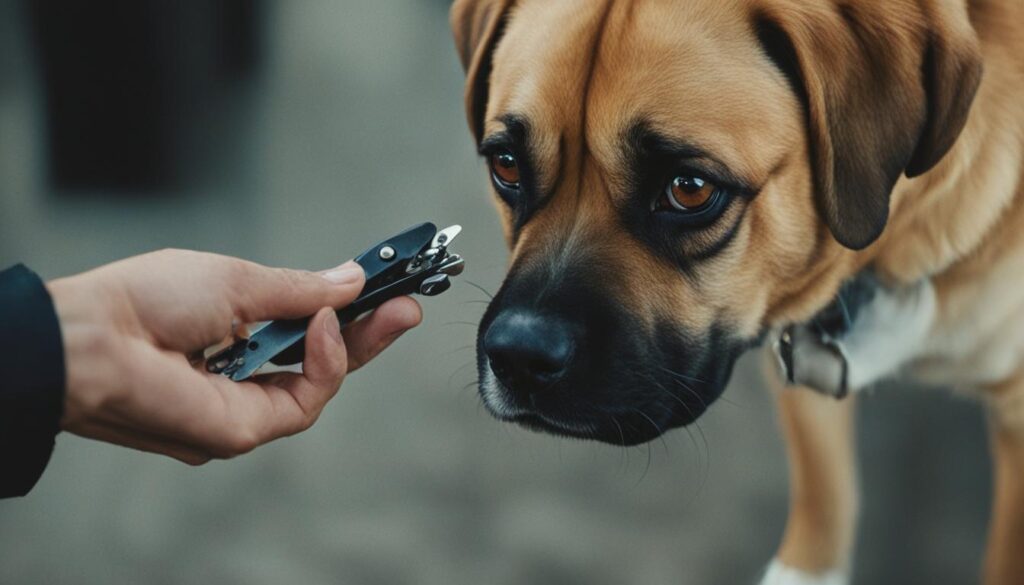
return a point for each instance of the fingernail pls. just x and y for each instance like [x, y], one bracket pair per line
[347, 273]
[333, 327]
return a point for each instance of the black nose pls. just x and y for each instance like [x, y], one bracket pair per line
[528, 352]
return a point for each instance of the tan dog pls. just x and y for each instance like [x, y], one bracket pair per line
[730, 163]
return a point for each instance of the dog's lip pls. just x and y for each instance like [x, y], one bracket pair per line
[536, 419]
[539, 421]
[498, 401]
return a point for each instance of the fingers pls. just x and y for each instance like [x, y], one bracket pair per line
[192, 415]
[259, 293]
[373, 334]
[282, 404]
[213, 415]
[187, 301]
[323, 371]
[159, 392]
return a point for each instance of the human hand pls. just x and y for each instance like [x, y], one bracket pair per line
[129, 329]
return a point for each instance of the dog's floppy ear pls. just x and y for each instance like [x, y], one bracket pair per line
[886, 89]
[477, 25]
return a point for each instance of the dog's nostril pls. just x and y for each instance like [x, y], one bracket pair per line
[528, 353]
[498, 365]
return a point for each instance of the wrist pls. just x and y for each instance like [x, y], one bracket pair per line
[89, 338]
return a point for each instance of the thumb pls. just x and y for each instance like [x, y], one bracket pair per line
[261, 293]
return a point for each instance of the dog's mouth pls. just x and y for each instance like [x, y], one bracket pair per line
[623, 423]
[538, 422]
[624, 431]
[496, 400]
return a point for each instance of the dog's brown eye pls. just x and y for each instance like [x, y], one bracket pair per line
[505, 169]
[688, 193]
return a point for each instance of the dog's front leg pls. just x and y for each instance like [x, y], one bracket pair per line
[1004, 560]
[818, 540]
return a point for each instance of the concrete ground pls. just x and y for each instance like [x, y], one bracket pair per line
[355, 129]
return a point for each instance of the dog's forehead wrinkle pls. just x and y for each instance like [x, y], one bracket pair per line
[687, 69]
[591, 69]
[570, 247]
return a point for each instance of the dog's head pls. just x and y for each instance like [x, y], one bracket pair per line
[674, 177]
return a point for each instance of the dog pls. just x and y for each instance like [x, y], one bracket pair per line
[679, 181]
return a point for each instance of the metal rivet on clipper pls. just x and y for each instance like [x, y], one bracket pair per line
[386, 253]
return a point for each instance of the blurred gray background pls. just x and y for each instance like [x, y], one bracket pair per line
[335, 123]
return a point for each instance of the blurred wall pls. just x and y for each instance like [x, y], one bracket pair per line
[352, 127]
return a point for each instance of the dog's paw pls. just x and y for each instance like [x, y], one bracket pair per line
[780, 574]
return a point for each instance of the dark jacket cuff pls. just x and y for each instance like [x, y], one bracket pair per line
[32, 379]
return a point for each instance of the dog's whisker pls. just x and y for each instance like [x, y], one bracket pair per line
[469, 323]
[657, 429]
[636, 431]
[680, 377]
[622, 436]
[693, 439]
[704, 470]
[458, 349]
[659, 386]
[660, 434]
[624, 459]
[689, 412]
[683, 376]
[624, 453]
[707, 456]
[478, 287]
[693, 393]
[647, 468]
[670, 413]
[457, 370]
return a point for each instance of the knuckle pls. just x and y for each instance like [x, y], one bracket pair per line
[310, 418]
[300, 424]
[170, 254]
[241, 442]
[237, 272]
[296, 280]
[231, 443]
[165, 252]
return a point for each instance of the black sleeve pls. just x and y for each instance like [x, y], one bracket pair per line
[31, 379]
